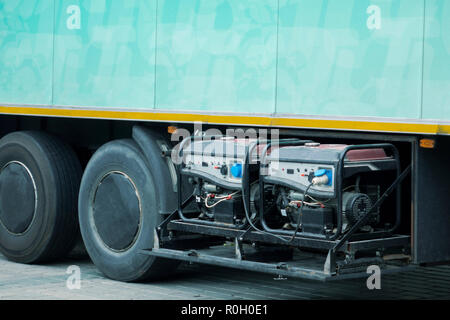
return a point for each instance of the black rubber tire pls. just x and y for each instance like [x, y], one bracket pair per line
[126, 264]
[56, 173]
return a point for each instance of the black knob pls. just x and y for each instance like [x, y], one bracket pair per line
[311, 176]
[224, 170]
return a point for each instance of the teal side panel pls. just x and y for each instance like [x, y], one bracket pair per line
[350, 57]
[26, 51]
[216, 55]
[105, 53]
[436, 95]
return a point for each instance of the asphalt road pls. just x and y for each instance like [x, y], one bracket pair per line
[200, 282]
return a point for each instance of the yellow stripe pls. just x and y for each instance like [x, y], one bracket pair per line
[233, 119]
[363, 125]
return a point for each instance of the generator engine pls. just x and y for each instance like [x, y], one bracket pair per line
[318, 185]
[215, 168]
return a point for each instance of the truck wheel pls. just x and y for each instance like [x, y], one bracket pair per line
[118, 213]
[39, 181]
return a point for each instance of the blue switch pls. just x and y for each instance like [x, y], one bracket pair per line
[236, 170]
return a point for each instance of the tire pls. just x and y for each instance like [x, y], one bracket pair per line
[119, 211]
[39, 182]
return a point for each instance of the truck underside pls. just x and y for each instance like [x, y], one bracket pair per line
[313, 204]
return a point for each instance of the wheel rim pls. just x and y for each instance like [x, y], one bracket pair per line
[117, 211]
[18, 197]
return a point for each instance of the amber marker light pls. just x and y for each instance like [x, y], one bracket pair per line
[427, 143]
[171, 129]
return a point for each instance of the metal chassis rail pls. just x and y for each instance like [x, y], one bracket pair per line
[280, 269]
[287, 269]
[256, 236]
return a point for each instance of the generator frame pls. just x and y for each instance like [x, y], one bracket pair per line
[336, 259]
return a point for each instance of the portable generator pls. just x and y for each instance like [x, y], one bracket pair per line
[322, 190]
[215, 167]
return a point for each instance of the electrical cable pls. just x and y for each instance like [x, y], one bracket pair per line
[244, 198]
[300, 214]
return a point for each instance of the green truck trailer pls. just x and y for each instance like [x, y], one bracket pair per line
[295, 137]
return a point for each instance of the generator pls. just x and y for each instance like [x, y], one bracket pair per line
[214, 167]
[322, 190]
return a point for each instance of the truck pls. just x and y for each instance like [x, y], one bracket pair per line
[298, 138]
